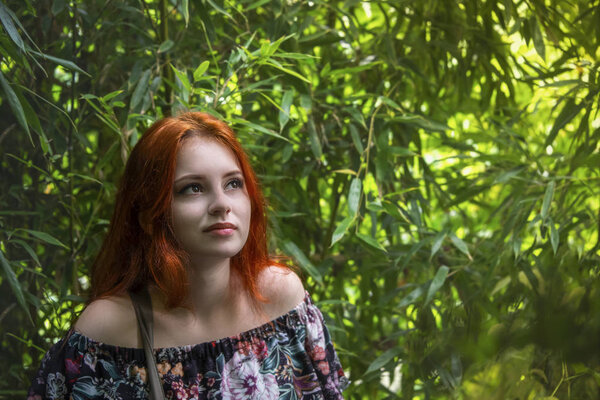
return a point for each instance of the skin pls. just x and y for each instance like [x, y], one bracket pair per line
[208, 189]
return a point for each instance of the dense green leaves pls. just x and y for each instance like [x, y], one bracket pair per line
[431, 168]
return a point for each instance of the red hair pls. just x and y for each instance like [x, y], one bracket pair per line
[140, 247]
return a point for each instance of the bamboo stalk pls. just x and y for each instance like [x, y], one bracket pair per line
[70, 153]
[166, 71]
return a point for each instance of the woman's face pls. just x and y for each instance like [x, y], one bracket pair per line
[211, 207]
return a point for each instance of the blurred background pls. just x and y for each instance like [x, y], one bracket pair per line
[433, 168]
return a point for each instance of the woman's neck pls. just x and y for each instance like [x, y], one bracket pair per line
[215, 308]
[210, 285]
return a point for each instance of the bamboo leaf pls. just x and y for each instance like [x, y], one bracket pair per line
[102, 115]
[538, 39]
[390, 103]
[294, 56]
[436, 283]
[200, 70]
[9, 26]
[165, 46]
[284, 112]
[270, 100]
[33, 121]
[401, 151]
[375, 206]
[185, 11]
[268, 49]
[293, 250]
[568, 112]
[501, 284]
[353, 70]
[13, 282]
[45, 237]
[371, 241]
[437, 243]
[421, 122]
[345, 171]
[508, 175]
[182, 75]
[140, 90]
[306, 102]
[547, 199]
[86, 177]
[358, 117]
[89, 96]
[411, 297]
[28, 249]
[354, 196]
[106, 98]
[564, 82]
[219, 9]
[257, 127]
[60, 61]
[460, 245]
[384, 359]
[15, 105]
[356, 138]
[516, 245]
[288, 71]
[256, 4]
[58, 6]
[341, 229]
[554, 237]
[315, 143]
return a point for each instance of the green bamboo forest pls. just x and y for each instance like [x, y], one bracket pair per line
[431, 167]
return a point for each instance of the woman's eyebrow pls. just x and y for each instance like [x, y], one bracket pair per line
[201, 177]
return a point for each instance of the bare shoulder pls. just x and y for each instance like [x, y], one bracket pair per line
[110, 320]
[283, 289]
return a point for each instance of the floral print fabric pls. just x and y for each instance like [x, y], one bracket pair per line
[291, 357]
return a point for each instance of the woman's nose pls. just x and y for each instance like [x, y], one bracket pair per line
[220, 204]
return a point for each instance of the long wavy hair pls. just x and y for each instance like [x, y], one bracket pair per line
[140, 247]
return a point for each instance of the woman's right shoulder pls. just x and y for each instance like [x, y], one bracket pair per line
[110, 320]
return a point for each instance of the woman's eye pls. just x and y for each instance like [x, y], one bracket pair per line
[235, 184]
[192, 188]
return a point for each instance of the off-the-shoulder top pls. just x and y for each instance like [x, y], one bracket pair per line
[290, 357]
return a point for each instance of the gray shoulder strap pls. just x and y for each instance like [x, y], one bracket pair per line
[142, 303]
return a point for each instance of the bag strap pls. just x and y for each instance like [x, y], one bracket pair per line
[142, 304]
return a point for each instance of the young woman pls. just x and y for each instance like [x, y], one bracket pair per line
[184, 273]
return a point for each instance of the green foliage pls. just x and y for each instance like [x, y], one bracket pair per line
[432, 167]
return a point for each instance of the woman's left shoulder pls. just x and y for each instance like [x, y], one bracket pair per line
[282, 288]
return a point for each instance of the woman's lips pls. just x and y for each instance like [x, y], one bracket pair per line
[221, 229]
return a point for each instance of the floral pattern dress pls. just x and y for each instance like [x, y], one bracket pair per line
[291, 357]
